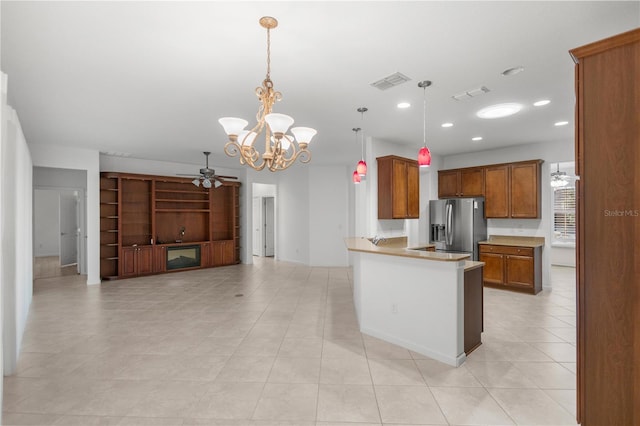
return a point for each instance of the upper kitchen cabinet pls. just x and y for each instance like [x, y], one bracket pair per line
[513, 190]
[398, 188]
[525, 190]
[467, 182]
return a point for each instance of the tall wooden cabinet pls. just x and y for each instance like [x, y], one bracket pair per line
[398, 188]
[148, 221]
[608, 230]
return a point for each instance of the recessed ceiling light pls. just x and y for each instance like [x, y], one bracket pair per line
[542, 102]
[477, 138]
[512, 71]
[561, 123]
[447, 124]
[499, 110]
[403, 105]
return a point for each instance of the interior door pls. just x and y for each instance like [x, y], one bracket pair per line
[269, 225]
[68, 229]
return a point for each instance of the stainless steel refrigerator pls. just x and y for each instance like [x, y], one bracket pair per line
[457, 224]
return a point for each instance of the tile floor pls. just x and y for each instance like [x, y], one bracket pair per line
[276, 343]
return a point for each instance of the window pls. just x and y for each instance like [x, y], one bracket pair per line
[564, 214]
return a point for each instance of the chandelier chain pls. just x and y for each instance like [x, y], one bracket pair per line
[268, 54]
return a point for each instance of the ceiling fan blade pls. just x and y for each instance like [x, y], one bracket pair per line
[182, 174]
[226, 177]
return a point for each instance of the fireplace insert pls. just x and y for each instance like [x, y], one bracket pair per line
[183, 257]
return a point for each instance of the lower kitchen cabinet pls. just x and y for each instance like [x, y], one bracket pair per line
[136, 260]
[512, 267]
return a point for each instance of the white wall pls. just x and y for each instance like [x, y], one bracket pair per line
[46, 223]
[60, 157]
[16, 278]
[292, 222]
[328, 216]
[366, 196]
[551, 152]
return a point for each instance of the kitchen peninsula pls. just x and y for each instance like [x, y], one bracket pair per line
[427, 302]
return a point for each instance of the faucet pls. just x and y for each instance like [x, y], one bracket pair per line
[377, 240]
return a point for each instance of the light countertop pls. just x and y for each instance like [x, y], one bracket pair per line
[361, 244]
[511, 240]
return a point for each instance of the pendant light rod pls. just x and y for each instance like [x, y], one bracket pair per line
[424, 155]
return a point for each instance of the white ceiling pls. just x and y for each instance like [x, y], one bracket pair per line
[152, 78]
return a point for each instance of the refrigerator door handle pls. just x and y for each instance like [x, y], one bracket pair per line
[449, 219]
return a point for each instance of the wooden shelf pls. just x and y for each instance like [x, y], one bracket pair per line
[148, 208]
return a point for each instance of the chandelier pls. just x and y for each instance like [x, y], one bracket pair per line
[424, 155]
[280, 149]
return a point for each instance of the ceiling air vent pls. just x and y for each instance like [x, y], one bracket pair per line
[390, 81]
[471, 93]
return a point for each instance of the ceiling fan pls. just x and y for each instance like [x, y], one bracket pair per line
[558, 178]
[208, 176]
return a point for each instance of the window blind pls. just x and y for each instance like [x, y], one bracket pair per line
[564, 213]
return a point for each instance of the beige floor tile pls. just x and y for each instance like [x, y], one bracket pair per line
[395, 372]
[228, 401]
[547, 375]
[379, 349]
[498, 374]
[11, 419]
[342, 348]
[532, 407]
[559, 352]
[88, 421]
[294, 347]
[436, 373]
[566, 398]
[295, 370]
[409, 405]
[347, 403]
[470, 406]
[182, 348]
[294, 402]
[246, 369]
[353, 371]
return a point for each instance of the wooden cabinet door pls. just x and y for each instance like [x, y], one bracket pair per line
[448, 185]
[145, 260]
[524, 190]
[217, 251]
[493, 268]
[128, 263]
[413, 191]
[228, 253]
[519, 271]
[205, 255]
[399, 196]
[472, 182]
[496, 192]
[159, 259]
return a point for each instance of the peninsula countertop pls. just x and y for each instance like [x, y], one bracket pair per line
[512, 240]
[362, 244]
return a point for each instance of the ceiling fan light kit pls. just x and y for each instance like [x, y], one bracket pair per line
[208, 176]
[281, 150]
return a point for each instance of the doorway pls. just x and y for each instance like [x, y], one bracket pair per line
[264, 220]
[57, 230]
[59, 222]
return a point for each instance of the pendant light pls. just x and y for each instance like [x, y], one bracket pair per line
[361, 168]
[424, 155]
[356, 175]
